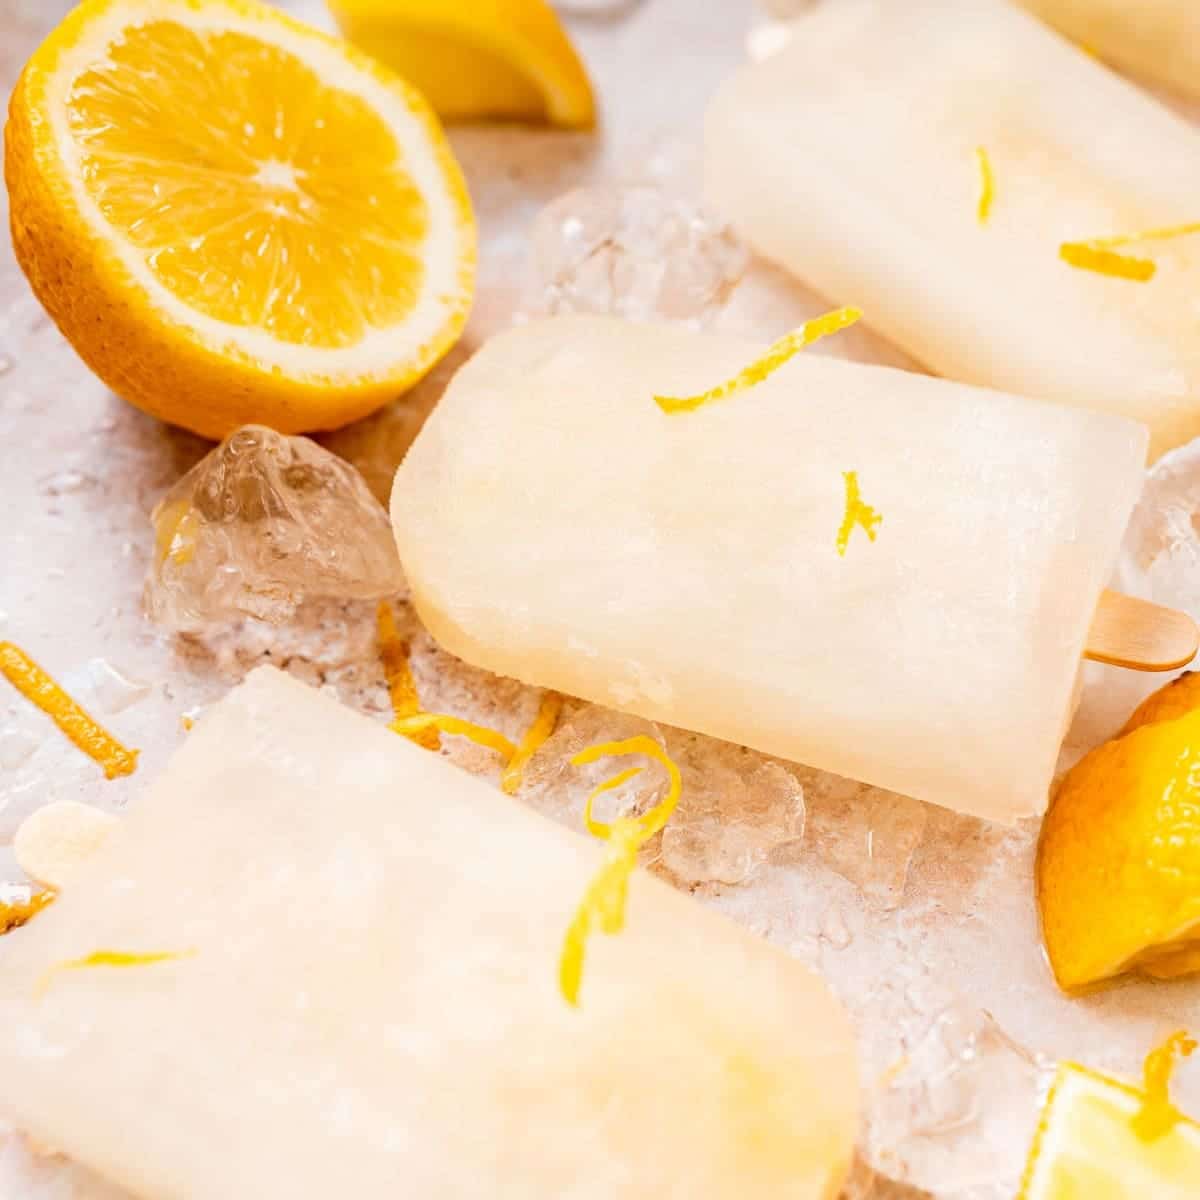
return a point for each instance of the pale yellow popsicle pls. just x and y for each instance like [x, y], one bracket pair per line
[555, 525]
[852, 158]
[1158, 40]
[370, 1004]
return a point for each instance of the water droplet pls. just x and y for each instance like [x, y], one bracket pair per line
[16, 748]
[64, 483]
[6, 364]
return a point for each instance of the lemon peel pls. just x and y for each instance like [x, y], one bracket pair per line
[987, 184]
[419, 723]
[1158, 1116]
[111, 958]
[535, 736]
[857, 513]
[15, 913]
[397, 670]
[1087, 256]
[41, 690]
[776, 355]
[604, 900]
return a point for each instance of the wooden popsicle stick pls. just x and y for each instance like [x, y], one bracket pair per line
[1127, 632]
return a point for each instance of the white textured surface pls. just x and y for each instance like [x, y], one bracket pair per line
[917, 917]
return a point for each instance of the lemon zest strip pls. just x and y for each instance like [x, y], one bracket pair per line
[1158, 1116]
[857, 513]
[535, 736]
[41, 690]
[1147, 235]
[987, 184]
[110, 958]
[776, 355]
[397, 670]
[409, 727]
[604, 900]
[15, 913]
[1089, 256]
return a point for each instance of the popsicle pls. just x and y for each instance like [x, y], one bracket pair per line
[556, 525]
[931, 160]
[1158, 40]
[317, 960]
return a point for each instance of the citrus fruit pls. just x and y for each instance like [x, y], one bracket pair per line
[1087, 1146]
[1118, 863]
[488, 58]
[235, 218]
[1179, 697]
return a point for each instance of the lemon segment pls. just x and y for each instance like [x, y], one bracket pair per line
[1086, 1147]
[507, 59]
[235, 218]
[1118, 864]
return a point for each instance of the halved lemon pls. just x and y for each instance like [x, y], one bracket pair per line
[233, 217]
[1087, 1147]
[477, 58]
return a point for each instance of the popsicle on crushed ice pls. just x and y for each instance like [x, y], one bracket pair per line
[1158, 40]
[557, 526]
[853, 157]
[368, 994]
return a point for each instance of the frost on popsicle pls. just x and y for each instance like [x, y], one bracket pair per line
[102, 959]
[1158, 1115]
[987, 184]
[604, 901]
[40, 689]
[857, 513]
[779, 353]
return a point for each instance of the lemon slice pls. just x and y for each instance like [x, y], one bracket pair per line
[233, 217]
[1118, 863]
[485, 58]
[1086, 1146]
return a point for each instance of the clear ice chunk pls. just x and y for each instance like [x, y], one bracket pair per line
[633, 252]
[261, 523]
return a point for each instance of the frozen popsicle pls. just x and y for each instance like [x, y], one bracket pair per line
[860, 156]
[556, 525]
[317, 960]
[1158, 40]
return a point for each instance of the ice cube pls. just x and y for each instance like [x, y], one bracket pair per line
[260, 524]
[633, 252]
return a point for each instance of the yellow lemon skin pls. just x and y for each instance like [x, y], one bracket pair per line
[1118, 862]
[506, 59]
[1176, 699]
[175, 368]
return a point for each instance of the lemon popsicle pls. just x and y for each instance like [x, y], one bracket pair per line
[334, 956]
[557, 526]
[1158, 40]
[931, 161]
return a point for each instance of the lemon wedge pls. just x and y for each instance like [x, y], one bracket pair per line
[233, 217]
[487, 58]
[1087, 1147]
[1118, 864]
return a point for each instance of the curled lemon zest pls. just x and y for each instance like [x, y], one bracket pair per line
[15, 913]
[604, 900]
[785, 348]
[40, 689]
[1090, 256]
[857, 513]
[402, 687]
[1158, 1116]
[111, 958]
[535, 736]
[418, 723]
[987, 184]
